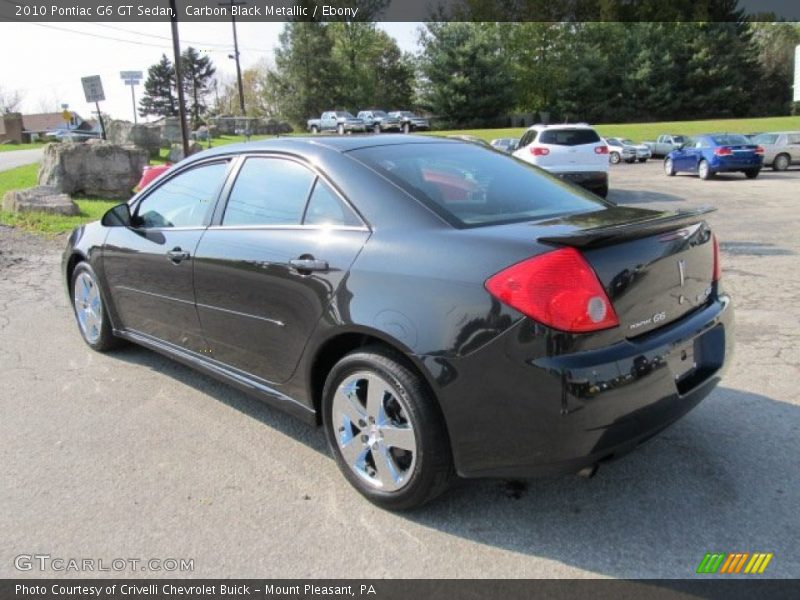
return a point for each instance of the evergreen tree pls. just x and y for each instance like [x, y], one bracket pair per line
[306, 78]
[198, 74]
[466, 76]
[159, 97]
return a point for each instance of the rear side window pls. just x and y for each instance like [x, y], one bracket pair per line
[468, 185]
[325, 208]
[568, 137]
[269, 191]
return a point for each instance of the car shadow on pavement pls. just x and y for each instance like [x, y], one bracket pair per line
[641, 196]
[723, 479]
[272, 417]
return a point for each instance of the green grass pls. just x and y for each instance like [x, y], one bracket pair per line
[13, 147]
[650, 131]
[25, 177]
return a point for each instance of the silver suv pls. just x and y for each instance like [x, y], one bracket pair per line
[573, 152]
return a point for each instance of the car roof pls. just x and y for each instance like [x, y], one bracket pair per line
[336, 143]
[540, 126]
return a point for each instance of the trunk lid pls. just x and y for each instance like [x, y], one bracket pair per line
[655, 267]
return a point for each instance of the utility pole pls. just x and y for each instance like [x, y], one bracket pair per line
[235, 55]
[176, 49]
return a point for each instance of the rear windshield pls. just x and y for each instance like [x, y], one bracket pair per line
[568, 137]
[766, 138]
[730, 140]
[470, 186]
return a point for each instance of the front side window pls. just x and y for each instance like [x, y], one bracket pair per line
[183, 200]
[269, 191]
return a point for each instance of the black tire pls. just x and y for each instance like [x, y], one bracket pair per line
[340, 129]
[602, 191]
[406, 127]
[376, 128]
[669, 168]
[642, 160]
[105, 339]
[781, 162]
[704, 171]
[314, 130]
[433, 463]
[614, 158]
[752, 173]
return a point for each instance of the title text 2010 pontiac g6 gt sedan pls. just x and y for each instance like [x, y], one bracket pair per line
[439, 307]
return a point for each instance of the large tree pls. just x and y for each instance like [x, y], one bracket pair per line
[159, 97]
[198, 74]
[306, 78]
[466, 75]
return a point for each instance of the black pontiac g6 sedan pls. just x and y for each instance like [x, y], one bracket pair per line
[440, 308]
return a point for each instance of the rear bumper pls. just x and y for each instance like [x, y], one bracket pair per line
[591, 180]
[519, 408]
[721, 164]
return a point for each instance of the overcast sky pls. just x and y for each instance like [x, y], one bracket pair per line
[45, 61]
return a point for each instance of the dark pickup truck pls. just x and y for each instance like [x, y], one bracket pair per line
[378, 121]
[409, 121]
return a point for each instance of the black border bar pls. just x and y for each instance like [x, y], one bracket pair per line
[400, 10]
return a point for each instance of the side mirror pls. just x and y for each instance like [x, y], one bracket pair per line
[680, 146]
[118, 216]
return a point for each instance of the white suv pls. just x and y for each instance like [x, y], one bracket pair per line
[572, 152]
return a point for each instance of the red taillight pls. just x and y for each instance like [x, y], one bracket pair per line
[760, 150]
[601, 149]
[723, 151]
[539, 151]
[558, 289]
[717, 266]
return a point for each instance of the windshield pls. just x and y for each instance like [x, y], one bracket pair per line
[628, 142]
[730, 140]
[346, 115]
[378, 113]
[679, 139]
[568, 137]
[470, 186]
[766, 138]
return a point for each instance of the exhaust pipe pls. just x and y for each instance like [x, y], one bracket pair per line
[588, 472]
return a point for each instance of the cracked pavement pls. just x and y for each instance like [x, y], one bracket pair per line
[132, 455]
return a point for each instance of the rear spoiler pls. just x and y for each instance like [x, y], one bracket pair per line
[601, 236]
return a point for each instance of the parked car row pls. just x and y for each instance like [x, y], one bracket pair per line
[377, 121]
[712, 153]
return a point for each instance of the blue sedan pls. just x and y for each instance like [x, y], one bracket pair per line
[709, 154]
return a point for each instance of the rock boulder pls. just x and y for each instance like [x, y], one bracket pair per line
[96, 168]
[141, 135]
[39, 199]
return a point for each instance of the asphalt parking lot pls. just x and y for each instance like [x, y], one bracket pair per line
[131, 455]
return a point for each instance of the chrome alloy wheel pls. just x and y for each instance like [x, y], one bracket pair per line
[374, 432]
[88, 307]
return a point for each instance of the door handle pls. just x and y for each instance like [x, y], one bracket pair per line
[308, 264]
[177, 255]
